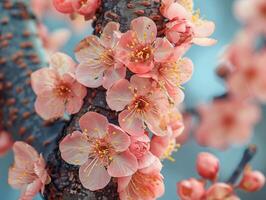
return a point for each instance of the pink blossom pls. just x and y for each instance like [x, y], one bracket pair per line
[40, 7]
[226, 122]
[252, 181]
[98, 64]
[145, 184]
[140, 104]
[249, 80]
[28, 172]
[208, 166]
[252, 13]
[185, 26]
[188, 128]
[56, 88]
[100, 145]
[6, 142]
[86, 7]
[191, 189]
[171, 75]
[140, 147]
[64, 6]
[220, 191]
[139, 48]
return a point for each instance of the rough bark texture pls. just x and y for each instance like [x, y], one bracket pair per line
[18, 57]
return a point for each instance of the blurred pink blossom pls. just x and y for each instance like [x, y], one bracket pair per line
[28, 172]
[6, 142]
[191, 189]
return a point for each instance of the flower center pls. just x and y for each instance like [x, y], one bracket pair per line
[251, 74]
[63, 91]
[263, 10]
[141, 54]
[82, 2]
[103, 150]
[141, 104]
[107, 58]
[171, 148]
[228, 121]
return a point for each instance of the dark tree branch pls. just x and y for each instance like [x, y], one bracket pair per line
[248, 154]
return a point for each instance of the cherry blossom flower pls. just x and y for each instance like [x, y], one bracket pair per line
[208, 166]
[28, 172]
[252, 181]
[191, 189]
[139, 48]
[185, 26]
[145, 184]
[140, 147]
[249, 80]
[56, 88]
[6, 142]
[171, 75]
[100, 145]
[252, 13]
[220, 191]
[64, 6]
[226, 122]
[98, 64]
[144, 105]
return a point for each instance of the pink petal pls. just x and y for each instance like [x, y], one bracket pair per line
[142, 85]
[108, 37]
[163, 50]
[114, 99]
[186, 70]
[93, 175]
[130, 123]
[88, 49]
[75, 148]
[112, 76]
[94, 124]
[58, 39]
[204, 28]
[43, 80]
[140, 68]
[146, 160]
[24, 154]
[15, 178]
[119, 139]
[123, 164]
[63, 6]
[90, 74]
[122, 183]
[74, 105]
[62, 63]
[49, 106]
[204, 41]
[145, 29]
[31, 190]
[79, 90]
[176, 11]
[6, 142]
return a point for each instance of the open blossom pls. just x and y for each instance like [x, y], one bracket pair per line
[185, 26]
[220, 191]
[100, 145]
[252, 181]
[6, 142]
[139, 48]
[140, 147]
[98, 64]
[171, 75]
[252, 12]
[86, 8]
[145, 184]
[226, 122]
[56, 88]
[140, 104]
[28, 172]
[249, 80]
[208, 166]
[191, 189]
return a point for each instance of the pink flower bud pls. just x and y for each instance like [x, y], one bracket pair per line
[190, 189]
[252, 181]
[207, 166]
[219, 191]
[63, 6]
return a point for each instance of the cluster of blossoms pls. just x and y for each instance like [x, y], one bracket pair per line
[231, 120]
[86, 8]
[208, 168]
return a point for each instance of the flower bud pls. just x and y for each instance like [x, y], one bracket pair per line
[252, 181]
[207, 166]
[190, 189]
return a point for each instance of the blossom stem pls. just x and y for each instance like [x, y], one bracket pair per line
[248, 154]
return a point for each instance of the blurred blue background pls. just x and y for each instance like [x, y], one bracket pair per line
[203, 86]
